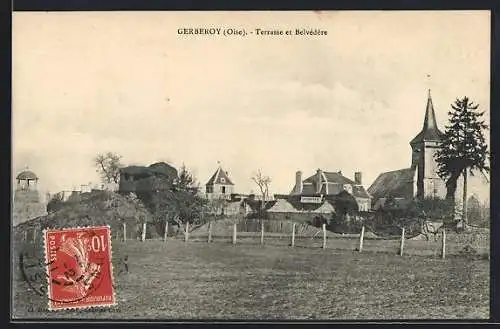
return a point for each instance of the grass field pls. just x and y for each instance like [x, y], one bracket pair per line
[197, 280]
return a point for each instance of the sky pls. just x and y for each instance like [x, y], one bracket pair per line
[127, 82]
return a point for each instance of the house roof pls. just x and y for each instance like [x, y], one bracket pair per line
[430, 130]
[327, 205]
[397, 184]
[282, 205]
[335, 182]
[331, 177]
[219, 177]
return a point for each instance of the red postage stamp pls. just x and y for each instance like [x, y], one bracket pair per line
[79, 268]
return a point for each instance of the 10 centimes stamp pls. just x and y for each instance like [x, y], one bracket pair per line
[78, 267]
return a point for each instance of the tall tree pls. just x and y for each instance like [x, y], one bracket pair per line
[263, 183]
[176, 203]
[463, 148]
[108, 166]
[186, 180]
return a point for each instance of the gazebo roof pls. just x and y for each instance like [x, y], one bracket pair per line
[27, 175]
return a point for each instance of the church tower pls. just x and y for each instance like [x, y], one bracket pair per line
[424, 147]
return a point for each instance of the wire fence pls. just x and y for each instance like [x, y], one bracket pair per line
[300, 235]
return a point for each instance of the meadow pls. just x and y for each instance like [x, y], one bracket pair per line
[246, 281]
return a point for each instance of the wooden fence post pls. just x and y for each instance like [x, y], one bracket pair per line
[209, 232]
[166, 232]
[186, 234]
[293, 234]
[143, 237]
[361, 237]
[401, 247]
[324, 236]
[443, 246]
[34, 235]
[124, 232]
[234, 233]
[261, 232]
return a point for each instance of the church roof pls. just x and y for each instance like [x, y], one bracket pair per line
[397, 184]
[27, 175]
[219, 177]
[430, 130]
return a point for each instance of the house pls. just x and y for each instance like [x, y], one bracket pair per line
[308, 208]
[325, 183]
[220, 191]
[219, 186]
[421, 179]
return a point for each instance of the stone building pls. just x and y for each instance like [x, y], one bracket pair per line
[220, 191]
[219, 186]
[421, 179]
[140, 178]
[325, 183]
[27, 203]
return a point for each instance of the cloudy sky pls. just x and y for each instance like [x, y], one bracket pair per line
[89, 82]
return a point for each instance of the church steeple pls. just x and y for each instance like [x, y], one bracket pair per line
[430, 130]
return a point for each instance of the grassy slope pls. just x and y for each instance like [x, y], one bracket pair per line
[199, 280]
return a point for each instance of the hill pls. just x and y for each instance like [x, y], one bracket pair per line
[92, 209]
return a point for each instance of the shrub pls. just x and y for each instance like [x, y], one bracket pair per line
[55, 203]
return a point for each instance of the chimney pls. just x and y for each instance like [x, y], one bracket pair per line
[298, 182]
[357, 178]
[319, 174]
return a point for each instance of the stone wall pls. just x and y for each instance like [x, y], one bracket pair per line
[26, 205]
[24, 212]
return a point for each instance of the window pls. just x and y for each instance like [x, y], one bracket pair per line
[223, 189]
[210, 189]
[222, 180]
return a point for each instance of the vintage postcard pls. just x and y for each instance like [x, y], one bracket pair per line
[298, 165]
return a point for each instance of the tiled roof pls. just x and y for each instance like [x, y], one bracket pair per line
[335, 182]
[331, 177]
[334, 177]
[397, 184]
[308, 189]
[282, 205]
[219, 177]
[328, 205]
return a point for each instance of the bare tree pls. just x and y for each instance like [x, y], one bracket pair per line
[216, 206]
[108, 166]
[263, 183]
